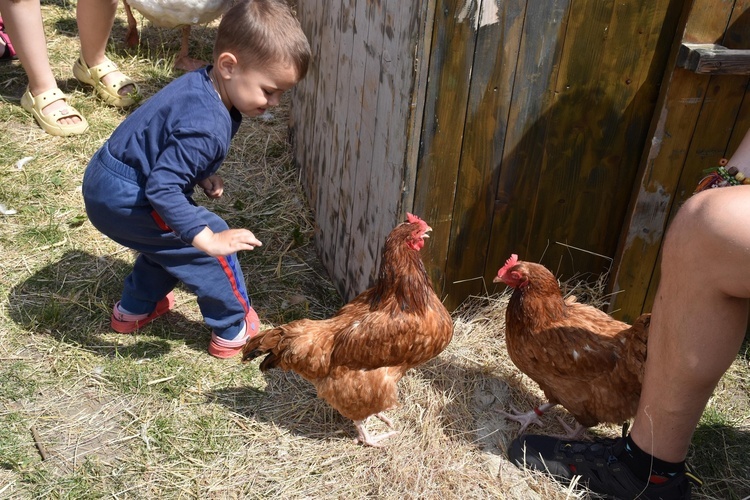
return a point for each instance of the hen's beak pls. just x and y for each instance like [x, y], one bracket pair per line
[498, 279]
[425, 235]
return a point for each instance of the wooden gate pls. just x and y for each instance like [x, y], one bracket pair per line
[700, 118]
[513, 126]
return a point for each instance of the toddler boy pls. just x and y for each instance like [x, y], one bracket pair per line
[138, 187]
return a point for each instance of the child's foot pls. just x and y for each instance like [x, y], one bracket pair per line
[221, 348]
[128, 323]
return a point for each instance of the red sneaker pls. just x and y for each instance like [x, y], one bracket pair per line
[220, 348]
[128, 323]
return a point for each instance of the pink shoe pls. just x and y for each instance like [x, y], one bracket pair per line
[128, 323]
[9, 53]
[220, 348]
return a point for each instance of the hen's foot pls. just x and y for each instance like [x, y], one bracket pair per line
[368, 439]
[527, 418]
[571, 433]
[132, 38]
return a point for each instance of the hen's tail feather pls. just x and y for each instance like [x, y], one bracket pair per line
[262, 344]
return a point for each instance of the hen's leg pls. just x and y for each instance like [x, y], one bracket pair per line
[529, 417]
[368, 439]
[184, 61]
[387, 421]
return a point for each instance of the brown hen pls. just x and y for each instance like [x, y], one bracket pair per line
[356, 358]
[582, 358]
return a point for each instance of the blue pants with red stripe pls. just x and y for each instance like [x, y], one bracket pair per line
[117, 206]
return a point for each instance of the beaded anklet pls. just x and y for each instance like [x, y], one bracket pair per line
[720, 177]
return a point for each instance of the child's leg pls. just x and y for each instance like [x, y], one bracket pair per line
[116, 206]
[146, 285]
[216, 281]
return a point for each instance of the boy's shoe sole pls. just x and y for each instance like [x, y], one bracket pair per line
[223, 349]
[125, 323]
[598, 466]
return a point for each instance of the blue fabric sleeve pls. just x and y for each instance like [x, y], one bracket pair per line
[179, 166]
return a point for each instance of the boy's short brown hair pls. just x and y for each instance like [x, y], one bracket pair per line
[263, 32]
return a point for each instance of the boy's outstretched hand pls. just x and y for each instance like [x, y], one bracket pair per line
[213, 186]
[225, 242]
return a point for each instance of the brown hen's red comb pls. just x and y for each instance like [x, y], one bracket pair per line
[512, 261]
[412, 219]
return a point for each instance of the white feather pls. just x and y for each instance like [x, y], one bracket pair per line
[23, 161]
[6, 211]
[173, 13]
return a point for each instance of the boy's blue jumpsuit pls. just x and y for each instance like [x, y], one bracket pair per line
[138, 191]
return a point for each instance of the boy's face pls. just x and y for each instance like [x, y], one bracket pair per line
[253, 90]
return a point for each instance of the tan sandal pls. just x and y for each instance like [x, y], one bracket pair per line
[51, 123]
[109, 93]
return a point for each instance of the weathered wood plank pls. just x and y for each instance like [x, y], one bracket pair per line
[422, 27]
[353, 145]
[595, 134]
[533, 95]
[326, 168]
[492, 77]
[358, 257]
[453, 41]
[712, 59]
[718, 119]
[384, 178]
[301, 131]
[574, 133]
[350, 133]
[388, 169]
[348, 92]
[678, 110]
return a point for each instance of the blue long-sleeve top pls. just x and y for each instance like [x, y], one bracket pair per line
[175, 139]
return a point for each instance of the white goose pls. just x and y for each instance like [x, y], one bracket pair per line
[171, 14]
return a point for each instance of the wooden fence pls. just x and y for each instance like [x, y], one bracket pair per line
[510, 127]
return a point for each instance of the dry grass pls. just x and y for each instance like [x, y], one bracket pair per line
[85, 413]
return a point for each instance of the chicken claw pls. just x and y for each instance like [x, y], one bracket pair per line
[571, 433]
[526, 418]
[368, 439]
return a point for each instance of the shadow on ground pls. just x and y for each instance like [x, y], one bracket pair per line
[287, 401]
[71, 300]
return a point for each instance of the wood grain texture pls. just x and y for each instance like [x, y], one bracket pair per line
[510, 127]
[326, 167]
[712, 59]
[597, 129]
[453, 42]
[359, 260]
[353, 58]
[349, 123]
[516, 199]
[692, 127]
[488, 107]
